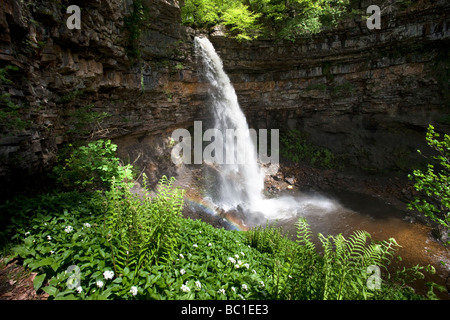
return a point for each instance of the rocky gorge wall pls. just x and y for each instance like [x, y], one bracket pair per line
[366, 94]
[73, 85]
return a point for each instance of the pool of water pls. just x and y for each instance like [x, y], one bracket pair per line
[334, 212]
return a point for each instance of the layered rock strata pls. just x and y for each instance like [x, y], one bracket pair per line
[367, 95]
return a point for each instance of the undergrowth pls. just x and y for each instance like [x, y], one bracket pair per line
[70, 241]
[119, 244]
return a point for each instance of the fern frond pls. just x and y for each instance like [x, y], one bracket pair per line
[304, 235]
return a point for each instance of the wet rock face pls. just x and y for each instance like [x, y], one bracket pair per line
[367, 94]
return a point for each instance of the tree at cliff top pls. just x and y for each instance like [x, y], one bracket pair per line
[248, 19]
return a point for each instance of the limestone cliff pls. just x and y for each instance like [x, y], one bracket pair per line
[91, 83]
[366, 94]
[133, 77]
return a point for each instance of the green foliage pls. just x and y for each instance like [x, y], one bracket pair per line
[265, 239]
[345, 266]
[295, 147]
[92, 167]
[52, 232]
[179, 66]
[434, 183]
[298, 271]
[92, 231]
[143, 230]
[241, 21]
[283, 19]
[200, 12]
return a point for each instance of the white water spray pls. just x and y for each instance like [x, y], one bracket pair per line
[242, 185]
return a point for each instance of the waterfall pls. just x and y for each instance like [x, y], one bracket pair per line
[241, 185]
[242, 182]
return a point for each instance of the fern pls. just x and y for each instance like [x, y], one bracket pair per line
[346, 262]
[340, 272]
[304, 235]
[143, 230]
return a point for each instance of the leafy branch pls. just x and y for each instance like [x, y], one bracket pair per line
[434, 183]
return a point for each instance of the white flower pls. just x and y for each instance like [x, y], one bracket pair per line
[27, 233]
[49, 237]
[254, 271]
[87, 225]
[237, 256]
[232, 260]
[222, 291]
[198, 285]
[262, 283]
[243, 254]
[99, 283]
[185, 288]
[289, 276]
[52, 252]
[182, 271]
[181, 256]
[241, 296]
[209, 244]
[233, 288]
[244, 287]
[79, 289]
[68, 229]
[236, 266]
[134, 290]
[246, 265]
[108, 274]
[195, 245]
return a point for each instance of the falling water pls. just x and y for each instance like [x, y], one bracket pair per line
[241, 185]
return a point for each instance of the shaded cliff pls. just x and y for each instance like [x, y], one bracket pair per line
[367, 95]
[91, 83]
[131, 75]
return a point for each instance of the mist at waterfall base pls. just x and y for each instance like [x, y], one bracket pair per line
[233, 195]
[239, 187]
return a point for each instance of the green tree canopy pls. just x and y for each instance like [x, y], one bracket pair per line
[248, 19]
